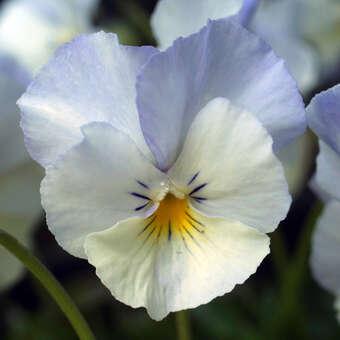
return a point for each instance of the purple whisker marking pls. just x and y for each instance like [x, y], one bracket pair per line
[199, 199]
[136, 194]
[141, 207]
[198, 188]
[193, 178]
[143, 184]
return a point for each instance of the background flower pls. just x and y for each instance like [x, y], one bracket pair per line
[324, 119]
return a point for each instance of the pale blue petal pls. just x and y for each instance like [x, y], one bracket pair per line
[89, 79]
[224, 60]
[323, 116]
[325, 257]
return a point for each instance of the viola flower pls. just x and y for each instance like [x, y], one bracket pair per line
[160, 167]
[31, 30]
[324, 119]
[170, 21]
[19, 175]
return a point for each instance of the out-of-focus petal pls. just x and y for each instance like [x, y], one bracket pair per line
[323, 116]
[99, 182]
[239, 177]
[89, 79]
[32, 29]
[172, 19]
[222, 60]
[325, 258]
[142, 266]
[328, 170]
[12, 84]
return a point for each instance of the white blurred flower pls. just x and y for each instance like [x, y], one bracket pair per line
[19, 175]
[324, 119]
[31, 30]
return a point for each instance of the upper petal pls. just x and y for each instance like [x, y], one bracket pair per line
[323, 116]
[102, 180]
[89, 79]
[170, 19]
[143, 266]
[325, 257]
[228, 168]
[225, 60]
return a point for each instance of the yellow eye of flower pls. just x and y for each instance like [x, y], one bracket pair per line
[172, 217]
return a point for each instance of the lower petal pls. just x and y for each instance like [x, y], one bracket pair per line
[166, 268]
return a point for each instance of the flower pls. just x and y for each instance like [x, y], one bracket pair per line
[19, 175]
[31, 30]
[323, 118]
[159, 165]
[170, 21]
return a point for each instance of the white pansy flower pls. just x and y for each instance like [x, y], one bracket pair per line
[160, 167]
[324, 120]
[31, 30]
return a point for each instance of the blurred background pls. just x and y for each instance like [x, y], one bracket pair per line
[280, 301]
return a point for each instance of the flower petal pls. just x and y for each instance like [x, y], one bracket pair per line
[328, 170]
[102, 180]
[166, 275]
[325, 257]
[239, 177]
[323, 116]
[170, 19]
[225, 60]
[282, 33]
[90, 79]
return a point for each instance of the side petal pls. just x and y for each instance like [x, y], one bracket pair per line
[328, 170]
[222, 60]
[323, 116]
[239, 177]
[149, 269]
[97, 183]
[170, 20]
[89, 79]
[325, 257]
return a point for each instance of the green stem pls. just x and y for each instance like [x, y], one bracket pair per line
[50, 283]
[183, 325]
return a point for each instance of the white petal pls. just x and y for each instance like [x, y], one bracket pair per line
[328, 170]
[92, 186]
[90, 79]
[171, 18]
[325, 257]
[145, 268]
[241, 177]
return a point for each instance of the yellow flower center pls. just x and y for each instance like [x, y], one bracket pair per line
[173, 218]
